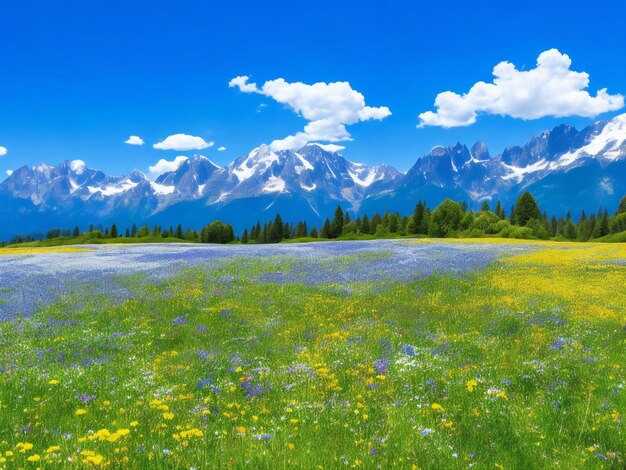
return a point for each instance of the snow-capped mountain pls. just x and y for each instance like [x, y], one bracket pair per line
[564, 168]
[308, 183]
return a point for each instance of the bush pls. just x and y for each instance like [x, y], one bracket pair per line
[484, 220]
[498, 227]
[445, 220]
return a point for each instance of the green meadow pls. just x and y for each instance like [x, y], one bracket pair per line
[517, 366]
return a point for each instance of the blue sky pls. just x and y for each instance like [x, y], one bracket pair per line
[77, 78]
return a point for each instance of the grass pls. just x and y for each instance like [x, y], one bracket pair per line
[520, 366]
[614, 238]
[85, 238]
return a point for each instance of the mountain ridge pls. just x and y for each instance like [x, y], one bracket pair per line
[563, 165]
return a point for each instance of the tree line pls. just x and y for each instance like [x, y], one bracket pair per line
[215, 232]
[449, 219]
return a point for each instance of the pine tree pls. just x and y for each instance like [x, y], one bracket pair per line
[277, 230]
[484, 207]
[621, 209]
[127, 234]
[314, 233]
[602, 225]
[526, 209]
[133, 231]
[336, 227]
[376, 221]
[512, 218]
[76, 232]
[244, 237]
[325, 232]
[365, 225]
[418, 218]
[553, 226]
[569, 229]
[500, 211]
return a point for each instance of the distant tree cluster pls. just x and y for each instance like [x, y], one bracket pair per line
[215, 232]
[449, 219]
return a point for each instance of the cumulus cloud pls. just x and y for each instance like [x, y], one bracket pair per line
[3, 151]
[9, 172]
[550, 89]
[163, 166]
[332, 148]
[134, 140]
[221, 149]
[182, 142]
[329, 108]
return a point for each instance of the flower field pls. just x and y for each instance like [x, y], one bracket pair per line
[353, 354]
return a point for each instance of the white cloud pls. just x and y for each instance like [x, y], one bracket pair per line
[329, 108]
[134, 140]
[221, 149]
[550, 89]
[607, 185]
[182, 142]
[163, 166]
[9, 172]
[3, 151]
[242, 83]
[332, 148]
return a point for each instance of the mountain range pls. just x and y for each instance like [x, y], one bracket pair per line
[564, 168]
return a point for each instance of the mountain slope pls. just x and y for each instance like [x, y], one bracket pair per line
[564, 168]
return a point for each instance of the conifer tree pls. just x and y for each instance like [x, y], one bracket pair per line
[277, 230]
[365, 225]
[569, 230]
[526, 209]
[244, 237]
[336, 227]
[500, 211]
[133, 230]
[127, 234]
[314, 233]
[418, 218]
[325, 232]
[621, 209]
[76, 232]
[375, 222]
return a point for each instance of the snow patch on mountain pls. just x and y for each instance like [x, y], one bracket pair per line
[274, 185]
[518, 174]
[162, 189]
[78, 166]
[609, 144]
[110, 190]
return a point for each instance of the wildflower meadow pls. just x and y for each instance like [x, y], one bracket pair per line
[383, 354]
